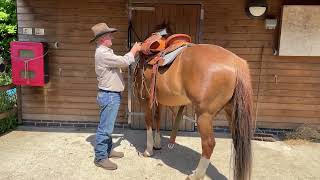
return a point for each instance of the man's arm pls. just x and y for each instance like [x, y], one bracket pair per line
[112, 60]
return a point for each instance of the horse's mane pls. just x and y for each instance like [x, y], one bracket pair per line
[164, 25]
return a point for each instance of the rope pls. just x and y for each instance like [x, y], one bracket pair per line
[134, 31]
[26, 62]
[32, 58]
[258, 91]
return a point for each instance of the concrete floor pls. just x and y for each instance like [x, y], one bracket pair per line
[39, 153]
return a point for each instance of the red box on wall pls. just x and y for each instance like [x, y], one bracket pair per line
[29, 63]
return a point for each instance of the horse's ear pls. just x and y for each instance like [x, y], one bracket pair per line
[159, 27]
[164, 25]
[167, 25]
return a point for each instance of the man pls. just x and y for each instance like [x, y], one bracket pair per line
[110, 84]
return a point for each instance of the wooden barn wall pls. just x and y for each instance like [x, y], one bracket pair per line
[71, 93]
[289, 86]
[288, 93]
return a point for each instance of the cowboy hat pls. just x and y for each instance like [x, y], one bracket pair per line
[101, 29]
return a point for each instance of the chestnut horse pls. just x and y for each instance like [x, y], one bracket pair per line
[211, 78]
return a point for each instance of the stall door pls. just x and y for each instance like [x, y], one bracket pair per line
[182, 19]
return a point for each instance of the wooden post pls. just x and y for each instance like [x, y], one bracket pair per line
[7, 87]
[8, 113]
[130, 89]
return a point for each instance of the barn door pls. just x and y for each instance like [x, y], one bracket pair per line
[182, 19]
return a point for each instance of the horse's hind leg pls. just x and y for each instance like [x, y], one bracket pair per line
[228, 111]
[208, 143]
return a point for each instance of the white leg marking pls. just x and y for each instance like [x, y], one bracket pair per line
[201, 169]
[149, 151]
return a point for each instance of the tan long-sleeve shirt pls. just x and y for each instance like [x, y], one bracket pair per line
[107, 67]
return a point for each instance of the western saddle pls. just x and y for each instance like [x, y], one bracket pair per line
[156, 48]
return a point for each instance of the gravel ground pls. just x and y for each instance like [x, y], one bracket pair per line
[42, 153]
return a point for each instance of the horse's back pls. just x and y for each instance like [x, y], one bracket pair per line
[206, 59]
[211, 54]
[199, 73]
[208, 72]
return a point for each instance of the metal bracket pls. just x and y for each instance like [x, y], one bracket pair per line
[135, 113]
[142, 8]
[202, 14]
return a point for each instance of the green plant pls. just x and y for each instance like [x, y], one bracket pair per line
[8, 26]
[5, 78]
[8, 123]
[8, 33]
[7, 103]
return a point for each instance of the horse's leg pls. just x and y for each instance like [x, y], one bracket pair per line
[175, 127]
[157, 137]
[148, 120]
[228, 111]
[208, 143]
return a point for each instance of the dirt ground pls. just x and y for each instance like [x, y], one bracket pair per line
[42, 153]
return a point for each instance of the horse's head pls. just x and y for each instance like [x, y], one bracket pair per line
[156, 42]
[164, 29]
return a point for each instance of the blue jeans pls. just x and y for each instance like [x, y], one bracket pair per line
[109, 103]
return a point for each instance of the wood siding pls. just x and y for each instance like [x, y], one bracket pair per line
[287, 88]
[71, 93]
[288, 95]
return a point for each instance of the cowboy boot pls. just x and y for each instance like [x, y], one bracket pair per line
[106, 164]
[115, 154]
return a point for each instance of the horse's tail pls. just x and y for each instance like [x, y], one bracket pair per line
[242, 122]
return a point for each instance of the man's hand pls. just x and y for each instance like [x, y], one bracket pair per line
[136, 48]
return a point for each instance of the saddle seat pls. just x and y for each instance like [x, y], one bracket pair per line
[173, 46]
[177, 38]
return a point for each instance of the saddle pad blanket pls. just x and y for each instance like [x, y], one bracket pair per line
[168, 58]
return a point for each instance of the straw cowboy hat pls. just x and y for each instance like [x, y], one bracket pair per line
[101, 29]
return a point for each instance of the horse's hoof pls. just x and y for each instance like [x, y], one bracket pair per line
[193, 177]
[156, 148]
[147, 154]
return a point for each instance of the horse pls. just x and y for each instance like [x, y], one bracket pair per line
[210, 78]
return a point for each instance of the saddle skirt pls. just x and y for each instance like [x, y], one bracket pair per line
[167, 56]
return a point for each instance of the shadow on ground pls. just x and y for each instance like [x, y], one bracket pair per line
[181, 158]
